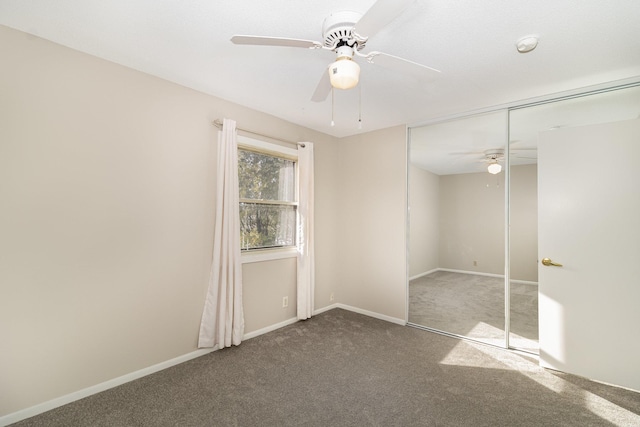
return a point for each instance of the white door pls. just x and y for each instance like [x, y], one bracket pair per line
[589, 221]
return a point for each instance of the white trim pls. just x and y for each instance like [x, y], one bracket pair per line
[524, 282]
[85, 392]
[327, 308]
[260, 255]
[584, 90]
[267, 254]
[407, 221]
[477, 273]
[109, 384]
[271, 328]
[266, 147]
[371, 314]
[426, 273]
[106, 385]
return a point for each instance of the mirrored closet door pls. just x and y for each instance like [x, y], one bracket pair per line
[522, 291]
[457, 214]
[473, 215]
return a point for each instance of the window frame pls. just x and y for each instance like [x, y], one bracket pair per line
[263, 147]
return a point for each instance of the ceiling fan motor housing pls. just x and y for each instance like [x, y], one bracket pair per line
[337, 30]
[494, 154]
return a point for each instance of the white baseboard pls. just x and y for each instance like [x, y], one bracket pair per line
[426, 273]
[372, 314]
[524, 282]
[477, 273]
[269, 328]
[361, 311]
[327, 308]
[86, 392]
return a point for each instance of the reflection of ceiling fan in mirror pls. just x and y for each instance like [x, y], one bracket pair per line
[346, 33]
[494, 158]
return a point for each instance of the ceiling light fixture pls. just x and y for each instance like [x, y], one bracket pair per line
[345, 72]
[493, 157]
[494, 168]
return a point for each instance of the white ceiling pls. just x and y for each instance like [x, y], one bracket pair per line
[459, 146]
[582, 42]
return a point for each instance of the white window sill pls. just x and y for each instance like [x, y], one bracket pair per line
[268, 255]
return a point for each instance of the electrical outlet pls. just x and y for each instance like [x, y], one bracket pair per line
[331, 297]
[285, 302]
[475, 263]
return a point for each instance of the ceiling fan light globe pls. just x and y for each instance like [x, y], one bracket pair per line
[344, 73]
[494, 168]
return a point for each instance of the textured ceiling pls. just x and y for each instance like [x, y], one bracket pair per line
[582, 42]
[459, 146]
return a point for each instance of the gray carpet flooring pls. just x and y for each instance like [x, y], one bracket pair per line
[473, 306]
[345, 369]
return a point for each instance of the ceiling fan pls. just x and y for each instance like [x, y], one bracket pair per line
[346, 33]
[494, 157]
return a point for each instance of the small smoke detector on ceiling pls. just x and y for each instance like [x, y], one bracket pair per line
[527, 44]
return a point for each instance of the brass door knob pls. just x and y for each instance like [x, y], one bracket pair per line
[549, 263]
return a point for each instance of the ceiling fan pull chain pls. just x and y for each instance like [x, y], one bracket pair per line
[332, 107]
[360, 107]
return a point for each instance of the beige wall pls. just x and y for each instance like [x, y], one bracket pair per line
[107, 183]
[373, 171]
[472, 222]
[424, 234]
[264, 285]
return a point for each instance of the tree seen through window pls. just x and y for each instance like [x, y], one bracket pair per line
[267, 200]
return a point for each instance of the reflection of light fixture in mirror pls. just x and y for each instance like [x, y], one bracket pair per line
[494, 168]
[345, 72]
[493, 157]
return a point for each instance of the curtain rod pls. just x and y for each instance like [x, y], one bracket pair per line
[218, 123]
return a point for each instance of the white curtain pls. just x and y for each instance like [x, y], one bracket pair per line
[222, 322]
[306, 273]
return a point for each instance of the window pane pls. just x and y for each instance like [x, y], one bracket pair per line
[267, 226]
[264, 177]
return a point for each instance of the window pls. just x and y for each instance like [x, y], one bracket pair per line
[268, 196]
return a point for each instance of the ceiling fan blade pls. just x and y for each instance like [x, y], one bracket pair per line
[323, 89]
[275, 41]
[465, 153]
[394, 63]
[380, 14]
